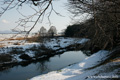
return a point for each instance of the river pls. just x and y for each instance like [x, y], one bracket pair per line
[25, 72]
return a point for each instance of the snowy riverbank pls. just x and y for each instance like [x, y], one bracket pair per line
[33, 51]
[80, 70]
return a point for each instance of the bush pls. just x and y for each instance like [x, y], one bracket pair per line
[43, 50]
[16, 50]
[25, 57]
[5, 58]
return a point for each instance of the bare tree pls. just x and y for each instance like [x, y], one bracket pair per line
[106, 15]
[40, 8]
[52, 31]
[43, 32]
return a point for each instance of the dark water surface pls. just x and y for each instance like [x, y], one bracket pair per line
[54, 63]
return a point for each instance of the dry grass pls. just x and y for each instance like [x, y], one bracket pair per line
[2, 45]
[34, 39]
[17, 43]
[18, 38]
[30, 39]
[0, 39]
[116, 60]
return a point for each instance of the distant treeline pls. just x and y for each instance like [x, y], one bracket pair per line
[83, 30]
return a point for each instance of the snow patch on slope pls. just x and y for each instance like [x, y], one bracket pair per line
[77, 71]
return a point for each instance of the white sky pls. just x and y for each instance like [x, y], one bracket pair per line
[7, 21]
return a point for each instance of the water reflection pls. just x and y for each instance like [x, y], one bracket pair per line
[5, 71]
[29, 70]
[42, 67]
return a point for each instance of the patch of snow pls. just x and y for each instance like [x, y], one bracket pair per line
[64, 42]
[61, 50]
[83, 40]
[54, 44]
[16, 57]
[30, 53]
[77, 71]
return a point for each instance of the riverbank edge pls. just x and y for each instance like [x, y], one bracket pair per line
[95, 65]
[6, 65]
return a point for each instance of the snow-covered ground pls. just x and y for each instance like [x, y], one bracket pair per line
[77, 71]
[12, 39]
[64, 42]
[12, 36]
[54, 44]
[3, 36]
[80, 70]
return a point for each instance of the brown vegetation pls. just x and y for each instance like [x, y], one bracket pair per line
[36, 38]
[2, 45]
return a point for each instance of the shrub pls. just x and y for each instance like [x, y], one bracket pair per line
[5, 58]
[16, 51]
[25, 57]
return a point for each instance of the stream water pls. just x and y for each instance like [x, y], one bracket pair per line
[25, 72]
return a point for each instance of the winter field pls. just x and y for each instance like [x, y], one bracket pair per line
[17, 48]
[12, 39]
[88, 69]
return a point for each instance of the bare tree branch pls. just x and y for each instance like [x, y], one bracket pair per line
[5, 9]
[40, 16]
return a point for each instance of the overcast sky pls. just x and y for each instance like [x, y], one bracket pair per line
[7, 21]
